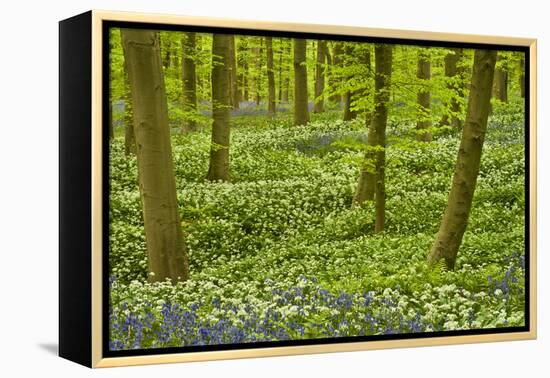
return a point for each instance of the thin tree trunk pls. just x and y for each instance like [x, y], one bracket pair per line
[233, 82]
[280, 94]
[189, 79]
[271, 102]
[367, 177]
[423, 97]
[319, 103]
[455, 218]
[166, 251]
[500, 86]
[286, 86]
[454, 74]
[260, 64]
[349, 96]
[334, 78]
[382, 84]
[221, 103]
[301, 112]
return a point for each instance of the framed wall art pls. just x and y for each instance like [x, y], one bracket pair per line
[234, 189]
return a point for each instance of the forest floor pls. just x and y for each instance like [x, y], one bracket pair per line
[279, 253]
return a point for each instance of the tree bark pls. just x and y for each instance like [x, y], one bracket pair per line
[455, 218]
[500, 86]
[319, 103]
[423, 96]
[454, 74]
[189, 79]
[221, 103]
[382, 84]
[233, 78]
[348, 97]
[166, 251]
[334, 77]
[367, 177]
[271, 102]
[301, 112]
[260, 64]
[280, 83]
[286, 85]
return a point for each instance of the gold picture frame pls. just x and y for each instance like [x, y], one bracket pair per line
[92, 25]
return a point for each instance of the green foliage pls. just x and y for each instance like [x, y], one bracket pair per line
[287, 214]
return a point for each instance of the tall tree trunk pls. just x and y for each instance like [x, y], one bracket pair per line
[349, 96]
[221, 103]
[455, 218]
[454, 74]
[334, 78]
[260, 64]
[280, 94]
[423, 96]
[233, 82]
[189, 78]
[382, 85]
[271, 102]
[301, 112]
[246, 92]
[286, 85]
[500, 86]
[166, 251]
[367, 177]
[165, 47]
[319, 103]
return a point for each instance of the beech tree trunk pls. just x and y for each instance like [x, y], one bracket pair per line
[280, 94]
[334, 78]
[367, 177]
[349, 96]
[301, 112]
[189, 78]
[286, 85]
[233, 78]
[218, 169]
[423, 97]
[259, 66]
[271, 102]
[166, 251]
[454, 73]
[319, 103]
[455, 218]
[382, 86]
[500, 86]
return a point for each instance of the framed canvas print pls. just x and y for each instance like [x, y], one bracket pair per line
[234, 189]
